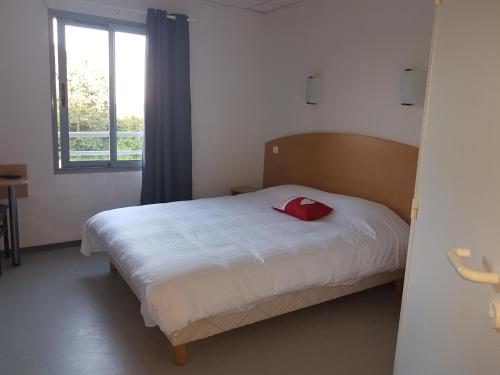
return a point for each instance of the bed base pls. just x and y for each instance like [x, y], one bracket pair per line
[267, 309]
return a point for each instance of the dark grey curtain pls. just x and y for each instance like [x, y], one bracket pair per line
[167, 161]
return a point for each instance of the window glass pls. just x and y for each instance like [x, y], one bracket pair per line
[130, 70]
[87, 62]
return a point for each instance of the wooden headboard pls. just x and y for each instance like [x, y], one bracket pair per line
[372, 168]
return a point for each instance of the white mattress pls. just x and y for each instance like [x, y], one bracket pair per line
[191, 260]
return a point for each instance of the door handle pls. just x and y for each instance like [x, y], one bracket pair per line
[456, 255]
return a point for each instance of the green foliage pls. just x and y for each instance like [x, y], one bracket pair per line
[129, 123]
[88, 111]
[88, 95]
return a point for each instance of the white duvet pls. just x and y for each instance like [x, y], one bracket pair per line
[191, 260]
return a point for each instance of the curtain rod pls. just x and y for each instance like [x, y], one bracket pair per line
[169, 16]
[118, 10]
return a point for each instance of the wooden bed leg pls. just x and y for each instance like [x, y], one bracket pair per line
[398, 285]
[112, 267]
[180, 357]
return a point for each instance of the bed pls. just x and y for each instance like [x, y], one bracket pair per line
[210, 265]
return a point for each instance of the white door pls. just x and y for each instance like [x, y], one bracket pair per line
[444, 326]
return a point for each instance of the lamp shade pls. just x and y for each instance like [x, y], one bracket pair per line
[314, 90]
[413, 83]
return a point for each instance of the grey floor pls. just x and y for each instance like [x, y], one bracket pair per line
[63, 313]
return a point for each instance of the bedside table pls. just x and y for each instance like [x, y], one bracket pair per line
[243, 189]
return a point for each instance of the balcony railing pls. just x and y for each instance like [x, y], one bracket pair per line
[104, 153]
[105, 134]
[124, 134]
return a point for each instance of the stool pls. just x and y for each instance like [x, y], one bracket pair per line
[4, 231]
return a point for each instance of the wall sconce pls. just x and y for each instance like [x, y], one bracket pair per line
[413, 84]
[314, 89]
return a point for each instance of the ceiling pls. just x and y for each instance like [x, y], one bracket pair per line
[261, 6]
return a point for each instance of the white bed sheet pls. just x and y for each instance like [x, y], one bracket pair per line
[195, 259]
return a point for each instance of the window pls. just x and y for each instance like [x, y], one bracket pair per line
[98, 75]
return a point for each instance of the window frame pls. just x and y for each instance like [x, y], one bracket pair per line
[102, 23]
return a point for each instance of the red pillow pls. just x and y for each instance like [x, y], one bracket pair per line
[303, 208]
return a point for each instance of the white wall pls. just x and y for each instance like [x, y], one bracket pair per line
[360, 47]
[248, 85]
[228, 127]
